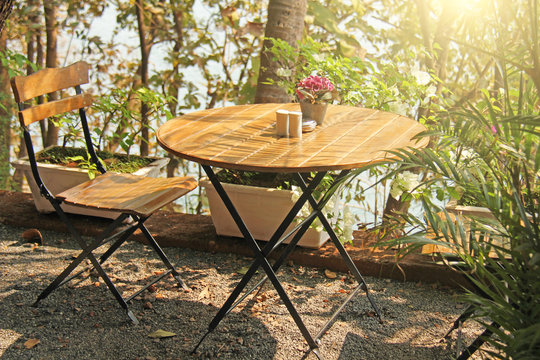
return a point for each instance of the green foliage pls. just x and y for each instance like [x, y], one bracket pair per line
[79, 157]
[15, 63]
[493, 158]
[358, 82]
[120, 111]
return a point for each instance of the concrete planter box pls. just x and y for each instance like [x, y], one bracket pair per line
[262, 210]
[467, 212]
[58, 178]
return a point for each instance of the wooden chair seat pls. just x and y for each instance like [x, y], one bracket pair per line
[127, 193]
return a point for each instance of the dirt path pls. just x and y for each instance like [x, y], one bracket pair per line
[82, 320]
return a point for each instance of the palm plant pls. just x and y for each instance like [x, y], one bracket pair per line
[493, 159]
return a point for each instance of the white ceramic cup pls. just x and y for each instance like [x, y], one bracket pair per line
[295, 124]
[282, 123]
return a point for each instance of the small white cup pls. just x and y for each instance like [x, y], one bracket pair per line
[295, 124]
[282, 123]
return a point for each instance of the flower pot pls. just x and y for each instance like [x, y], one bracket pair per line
[315, 111]
[262, 210]
[58, 178]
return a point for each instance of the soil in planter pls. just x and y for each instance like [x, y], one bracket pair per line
[282, 181]
[119, 163]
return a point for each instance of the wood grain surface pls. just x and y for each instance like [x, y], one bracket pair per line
[244, 137]
[49, 80]
[127, 193]
[42, 111]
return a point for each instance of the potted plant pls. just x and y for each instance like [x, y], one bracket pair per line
[64, 167]
[314, 92]
[262, 199]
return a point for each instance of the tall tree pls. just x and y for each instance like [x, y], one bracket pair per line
[145, 57]
[5, 117]
[286, 22]
[51, 60]
[5, 10]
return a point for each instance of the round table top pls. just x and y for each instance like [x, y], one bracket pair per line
[244, 137]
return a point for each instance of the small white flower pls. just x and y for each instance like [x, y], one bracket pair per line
[422, 77]
[398, 107]
[295, 193]
[403, 182]
[283, 72]
[431, 91]
[317, 58]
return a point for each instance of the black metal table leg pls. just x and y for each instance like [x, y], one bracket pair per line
[261, 260]
[262, 254]
[317, 206]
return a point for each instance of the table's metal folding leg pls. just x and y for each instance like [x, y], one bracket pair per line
[479, 341]
[318, 206]
[261, 259]
[469, 311]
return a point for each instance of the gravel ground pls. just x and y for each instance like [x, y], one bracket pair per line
[82, 320]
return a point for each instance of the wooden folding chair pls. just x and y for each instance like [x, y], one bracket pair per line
[135, 198]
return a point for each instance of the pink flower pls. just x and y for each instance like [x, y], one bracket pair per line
[315, 88]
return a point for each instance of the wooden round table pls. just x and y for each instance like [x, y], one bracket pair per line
[244, 138]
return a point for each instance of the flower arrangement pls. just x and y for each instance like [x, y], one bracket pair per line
[315, 89]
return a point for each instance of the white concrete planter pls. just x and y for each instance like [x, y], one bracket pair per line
[467, 212]
[262, 210]
[58, 178]
[470, 211]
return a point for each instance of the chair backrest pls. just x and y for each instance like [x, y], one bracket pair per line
[46, 81]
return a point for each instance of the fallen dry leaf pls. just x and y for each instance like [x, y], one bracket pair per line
[30, 343]
[204, 293]
[330, 274]
[161, 334]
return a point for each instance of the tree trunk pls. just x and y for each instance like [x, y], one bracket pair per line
[173, 86]
[286, 22]
[5, 10]
[51, 28]
[5, 117]
[145, 53]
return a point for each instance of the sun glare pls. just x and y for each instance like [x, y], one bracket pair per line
[467, 5]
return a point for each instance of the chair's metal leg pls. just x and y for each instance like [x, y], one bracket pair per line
[116, 245]
[86, 253]
[317, 353]
[161, 254]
